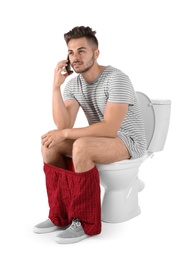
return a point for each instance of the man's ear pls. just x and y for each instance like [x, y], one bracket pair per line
[96, 53]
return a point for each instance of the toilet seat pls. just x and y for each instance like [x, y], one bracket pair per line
[123, 164]
[148, 114]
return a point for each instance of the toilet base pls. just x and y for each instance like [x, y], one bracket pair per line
[134, 214]
[122, 205]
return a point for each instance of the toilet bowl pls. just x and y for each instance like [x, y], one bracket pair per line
[120, 179]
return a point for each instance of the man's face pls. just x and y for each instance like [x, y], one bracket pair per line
[81, 55]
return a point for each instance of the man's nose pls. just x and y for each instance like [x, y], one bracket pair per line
[75, 57]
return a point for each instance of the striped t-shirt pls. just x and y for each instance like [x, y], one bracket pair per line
[114, 86]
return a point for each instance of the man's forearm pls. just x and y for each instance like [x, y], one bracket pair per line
[101, 129]
[60, 113]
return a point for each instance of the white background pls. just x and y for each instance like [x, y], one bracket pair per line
[149, 40]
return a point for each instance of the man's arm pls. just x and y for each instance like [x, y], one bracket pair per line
[64, 113]
[113, 118]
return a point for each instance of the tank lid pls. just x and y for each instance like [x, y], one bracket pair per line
[161, 101]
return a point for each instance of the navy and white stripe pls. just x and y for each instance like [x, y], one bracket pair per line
[112, 85]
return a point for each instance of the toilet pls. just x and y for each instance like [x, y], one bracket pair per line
[120, 179]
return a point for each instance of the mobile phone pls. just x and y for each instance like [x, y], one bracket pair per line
[68, 67]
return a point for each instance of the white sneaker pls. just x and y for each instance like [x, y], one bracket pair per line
[73, 234]
[46, 227]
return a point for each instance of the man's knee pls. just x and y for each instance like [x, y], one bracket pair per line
[80, 149]
[46, 153]
[82, 155]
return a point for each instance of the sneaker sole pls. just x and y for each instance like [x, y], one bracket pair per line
[60, 240]
[44, 230]
[48, 230]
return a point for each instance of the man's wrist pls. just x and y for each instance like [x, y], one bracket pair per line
[56, 87]
[66, 133]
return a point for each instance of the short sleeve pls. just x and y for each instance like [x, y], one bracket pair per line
[67, 92]
[120, 89]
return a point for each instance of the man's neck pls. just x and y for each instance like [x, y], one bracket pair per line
[93, 73]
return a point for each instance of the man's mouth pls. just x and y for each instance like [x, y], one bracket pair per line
[76, 64]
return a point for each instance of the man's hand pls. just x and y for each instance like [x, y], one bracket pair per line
[60, 73]
[52, 138]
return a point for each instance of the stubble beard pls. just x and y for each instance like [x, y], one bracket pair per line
[89, 65]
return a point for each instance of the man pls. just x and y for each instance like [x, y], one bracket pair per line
[115, 132]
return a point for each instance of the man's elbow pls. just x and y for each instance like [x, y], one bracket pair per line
[112, 132]
[109, 129]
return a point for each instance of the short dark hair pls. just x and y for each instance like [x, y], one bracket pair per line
[79, 32]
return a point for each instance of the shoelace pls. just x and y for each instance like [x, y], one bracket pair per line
[75, 223]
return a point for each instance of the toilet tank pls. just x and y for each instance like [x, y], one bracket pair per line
[162, 110]
[156, 116]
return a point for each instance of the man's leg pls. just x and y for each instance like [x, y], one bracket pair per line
[56, 155]
[86, 152]
[71, 195]
[54, 164]
[90, 150]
